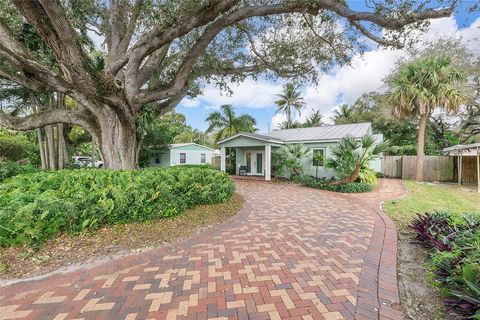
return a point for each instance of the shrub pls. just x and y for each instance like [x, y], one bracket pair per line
[354, 187]
[324, 184]
[455, 260]
[10, 168]
[17, 146]
[38, 206]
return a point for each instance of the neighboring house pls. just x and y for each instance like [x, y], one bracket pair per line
[254, 151]
[183, 153]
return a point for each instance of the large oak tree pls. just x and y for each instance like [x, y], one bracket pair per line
[159, 51]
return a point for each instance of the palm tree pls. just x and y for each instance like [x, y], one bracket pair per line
[225, 123]
[285, 125]
[291, 156]
[290, 98]
[421, 86]
[343, 114]
[314, 120]
[351, 155]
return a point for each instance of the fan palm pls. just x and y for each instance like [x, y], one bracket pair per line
[225, 123]
[291, 157]
[423, 85]
[350, 155]
[290, 98]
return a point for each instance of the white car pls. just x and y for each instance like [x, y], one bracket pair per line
[85, 161]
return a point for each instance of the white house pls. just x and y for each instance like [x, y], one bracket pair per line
[183, 153]
[254, 151]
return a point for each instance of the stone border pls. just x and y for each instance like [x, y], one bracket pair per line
[377, 294]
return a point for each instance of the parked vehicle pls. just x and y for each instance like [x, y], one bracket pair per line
[85, 161]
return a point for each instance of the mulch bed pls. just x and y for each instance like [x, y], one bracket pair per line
[66, 249]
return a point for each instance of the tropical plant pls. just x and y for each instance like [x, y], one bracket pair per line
[313, 120]
[368, 175]
[317, 160]
[324, 184]
[289, 99]
[343, 114]
[38, 206]
[285, 125]
[423, 85]
[10, 169]
[225, 123]
[350, 155]
[454, 242]
[290, 158]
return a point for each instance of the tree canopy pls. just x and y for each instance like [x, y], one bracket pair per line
[156, 53]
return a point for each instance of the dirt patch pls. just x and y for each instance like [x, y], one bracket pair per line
[65, 250]
[419, 299]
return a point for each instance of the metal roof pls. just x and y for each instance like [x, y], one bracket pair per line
[333, 132]
[323, 133]
[462, 147]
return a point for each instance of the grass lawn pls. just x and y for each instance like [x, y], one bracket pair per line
[428, 197]
[419, 299]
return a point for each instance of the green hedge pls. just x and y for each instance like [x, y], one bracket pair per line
[353, 187]
[10, 169]
[38, 206]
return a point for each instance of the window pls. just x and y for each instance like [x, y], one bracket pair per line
[157, 159]
[183, 157]
[203, 158]
[318, 157]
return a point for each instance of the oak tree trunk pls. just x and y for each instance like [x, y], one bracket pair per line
[117, 141]
[420, 147]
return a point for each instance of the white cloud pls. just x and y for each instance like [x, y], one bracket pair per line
[366, 73]
[249, 94]
[278, 119]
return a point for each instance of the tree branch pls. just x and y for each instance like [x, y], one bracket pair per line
[49, 20]
[219, 24]
[152, 63]
[373, 37]
[47, 117]
[121, 32]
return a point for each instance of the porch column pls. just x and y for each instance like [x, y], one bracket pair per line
[222, 159]
[460, 159]
[268, 162]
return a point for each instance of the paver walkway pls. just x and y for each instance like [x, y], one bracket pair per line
[291, 253]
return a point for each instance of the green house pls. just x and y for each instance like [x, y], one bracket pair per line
[253, 151]
[182, 153]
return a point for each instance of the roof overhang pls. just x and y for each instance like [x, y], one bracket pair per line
[462, 147]
[246, 135]
[179, 145]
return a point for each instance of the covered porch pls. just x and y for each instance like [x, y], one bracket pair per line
[253, 154]
[462, 151]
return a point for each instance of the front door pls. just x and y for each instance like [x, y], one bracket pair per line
[254, 161]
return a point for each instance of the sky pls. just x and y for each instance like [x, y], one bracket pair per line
[341, 85]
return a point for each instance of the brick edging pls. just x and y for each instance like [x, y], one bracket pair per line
[378, 295]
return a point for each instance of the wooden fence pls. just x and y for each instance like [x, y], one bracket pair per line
[435, 168]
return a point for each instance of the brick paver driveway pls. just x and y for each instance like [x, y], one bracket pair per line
[292, 253]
